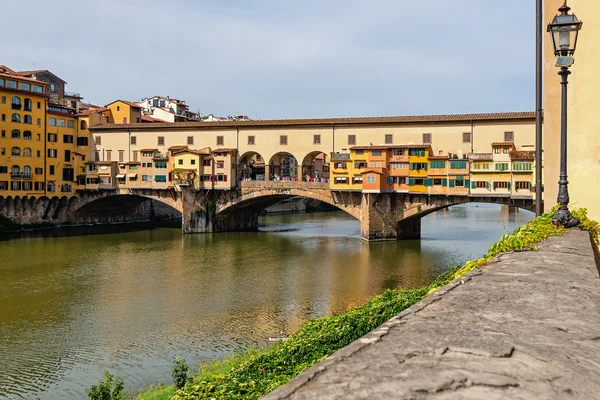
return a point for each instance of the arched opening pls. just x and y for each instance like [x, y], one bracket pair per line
[16, 118]
[16, 103]
[251, 167]
[83, 125]
[27, 119]
[26, 152]
[315, 167]
[27, 105]
[283, 166]
[16, 151]
[125, 208]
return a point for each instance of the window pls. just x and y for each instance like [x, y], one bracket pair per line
[70, 124]
[83, 125]
[52, 87]
[135, 155]
[376, 153]
[38, 185]
[160, 178]
[161, 140]
[221, 178]
[389, 139]
[52, 122]
[3, 170]
[458, 164]
[39, 105]
[193, 161]
[26, 185]
[82, 141]
[27, 105]
[108, 155]
[523, 185]
[220, 164]
[378, 164]
[3, 133]
[16, 118]
[52, 137]
[497, 150]
[190, 140]
[416, 152]
[401, 165]
[341, 181]
[11, 84]
[371, 179]
[437, 182]
[27, 119]
[283, 140]
[163, 103]
[501, 166]
[96, 155]
[52, 153]
[501, 185]
[38, 153]
[351, 139]
[27, 152]
[467, 137]
[427, 138]
[220, 141]
[154, 102]
[16, 151]
[522, 166]
[67, 138]
[398, 152]
[133, 140]
[61, 122]
[16, 134]
[316, 139]
[437, 164]
[39, 171]
[15, 170]
[485, 165]
[250, 139]
[3, 99]
[15, 185]
[509, 137]
[206, 163]
[418, 166]
[357, 181]
[480, 185]
[180, 161]
[3, 117]
[98, 140]
[459, 183]
[68, 156]
[1, 82]
[16, 103]
[39, 122]
[360, 152]
[38, 89]
[121, 155]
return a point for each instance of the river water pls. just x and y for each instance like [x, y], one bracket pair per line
[130, 301]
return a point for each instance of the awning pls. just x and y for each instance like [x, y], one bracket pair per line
[121, 176]
[132, 175]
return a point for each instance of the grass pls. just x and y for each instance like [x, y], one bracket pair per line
[254, 373]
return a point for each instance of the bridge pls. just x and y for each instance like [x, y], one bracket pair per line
[382, 216]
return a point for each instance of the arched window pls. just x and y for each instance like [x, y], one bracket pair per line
[51, 187]
[16, 134]
[15, 170]
[83, 125]
[26, 152]
[27, 135]
[27, 105]
[16, 118]
[28, 119]
[16, 103]
[16, 151]
[27, 171]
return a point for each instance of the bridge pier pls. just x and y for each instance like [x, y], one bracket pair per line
[204, 219]
[409, 228]
[379, 215]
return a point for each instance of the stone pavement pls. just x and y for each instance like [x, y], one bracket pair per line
[526, 326]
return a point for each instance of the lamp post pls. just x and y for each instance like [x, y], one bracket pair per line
[564, 30]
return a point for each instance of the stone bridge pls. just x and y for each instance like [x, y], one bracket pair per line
[382, 216]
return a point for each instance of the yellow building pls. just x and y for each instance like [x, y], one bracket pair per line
[66, 152]
[418, 155]
[523, 178]
[345, 169]
[187, 168]
[123, 112]
[583, 105]
[481, 173]
[22, 108]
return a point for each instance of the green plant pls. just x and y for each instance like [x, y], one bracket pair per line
[110, 388]
[180, 373]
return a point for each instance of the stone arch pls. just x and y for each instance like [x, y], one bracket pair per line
[315, 165]
[251, 166]
[255, 201]
[284, 165]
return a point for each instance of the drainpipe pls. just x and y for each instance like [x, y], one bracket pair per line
[538, 110]
[472, 138]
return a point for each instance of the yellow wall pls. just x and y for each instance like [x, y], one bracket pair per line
[65, 153]
[34, 144]
[583, 106]
[184, 160]
[119, 110]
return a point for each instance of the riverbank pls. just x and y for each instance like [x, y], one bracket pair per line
[255, 374]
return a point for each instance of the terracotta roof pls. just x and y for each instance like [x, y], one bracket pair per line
[418, 119]
[198, 152]
[438, 157]
[224, 150]
[151, 119]
[178, 147]
[37, 71]
[17, 76]
[503, 143]
[146, 150]
[522, 155]
[371, 171]
[389, 146]
[132, 163]
[92, 110]
[130, 104]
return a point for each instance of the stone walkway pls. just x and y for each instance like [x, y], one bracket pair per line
[526, 326]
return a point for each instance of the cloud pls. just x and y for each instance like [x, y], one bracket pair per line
[285, 59]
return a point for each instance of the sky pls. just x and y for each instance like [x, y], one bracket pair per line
[273, 59]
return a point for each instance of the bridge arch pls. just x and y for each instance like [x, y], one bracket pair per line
[251, 166]
[315, 165]
[283, 165]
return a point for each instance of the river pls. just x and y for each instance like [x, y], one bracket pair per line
[73, 304]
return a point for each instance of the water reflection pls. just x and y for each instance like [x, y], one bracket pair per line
[130, 301]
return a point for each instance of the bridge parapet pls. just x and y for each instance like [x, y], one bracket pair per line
[283, 185]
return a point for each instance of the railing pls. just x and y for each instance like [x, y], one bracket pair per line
[16, 106]
[284, 184]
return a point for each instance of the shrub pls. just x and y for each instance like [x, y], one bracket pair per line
[107, 389]
[180, 373]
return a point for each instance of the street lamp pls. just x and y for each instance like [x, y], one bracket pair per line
[564, 30]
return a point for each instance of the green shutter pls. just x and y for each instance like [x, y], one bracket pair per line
[425, 166]
[445, 182]
[411, 182]
[451, 183]
[428, 182]
[473, 185]
[487, 186]
[467, 183]
[508, 187]
[460, 177]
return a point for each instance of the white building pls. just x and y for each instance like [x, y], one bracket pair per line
[167, 109]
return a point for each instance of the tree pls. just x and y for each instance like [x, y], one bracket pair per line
[107, 389]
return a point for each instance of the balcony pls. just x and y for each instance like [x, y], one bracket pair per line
[20, 175]
[16, 106]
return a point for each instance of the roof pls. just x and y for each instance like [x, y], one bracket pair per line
[224, 150]
[503, 143]
[438, 157]
[522, 155]
[372, 171]
[481, 156]
[178, 147]
[147, 150]
[198, 152]
[151, 119]
[130, 104]
[132, 163]
[37, 71]
[419, 119]
[16, 76]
